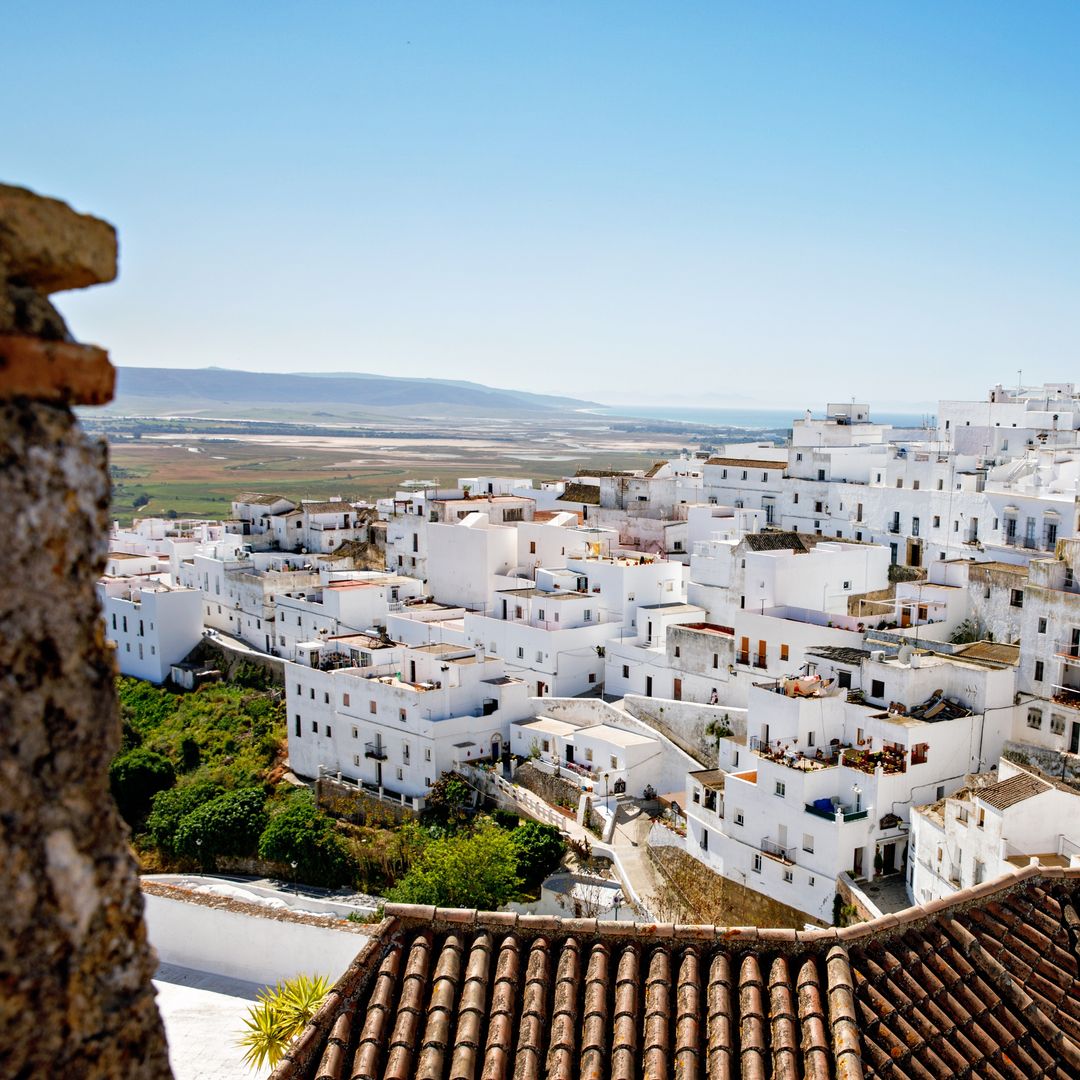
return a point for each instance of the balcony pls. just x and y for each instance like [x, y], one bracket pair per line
[894, 527]
[889, 760]
[834, 811]
[1069, 651]
[376, 751]
[1067, 696]
[780, 852]
[781, 753]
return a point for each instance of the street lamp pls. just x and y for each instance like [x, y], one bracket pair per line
[858, 796]
[616, 904]
[292, 863]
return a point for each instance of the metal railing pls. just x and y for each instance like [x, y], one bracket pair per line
[376, 751]
[785, 853]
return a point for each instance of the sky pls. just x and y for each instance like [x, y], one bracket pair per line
[767, 204]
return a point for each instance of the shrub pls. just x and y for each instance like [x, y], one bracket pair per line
[231, 824]
[477, 869]
[445, 803]
[135, 777]
[299, 832]
[278, 1016]
[539, 848]
[170, 807]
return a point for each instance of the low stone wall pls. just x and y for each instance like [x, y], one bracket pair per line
[358, 806]
[1055, 763]
[851, 896]
[216, 652]
[706, 897]
[552, 789]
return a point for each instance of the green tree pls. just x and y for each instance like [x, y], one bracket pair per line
[170, 807]
[135, 777]
[231, 824]
[445, 804]
[478, 869]
[278, 1016]
[539, 848]
[299, 832]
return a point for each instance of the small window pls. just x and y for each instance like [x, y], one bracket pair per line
[299, 689]
[427, 753]
[345, 700]
[1034, 719]
[315, 727]
[329, 732]
[521, 652]
[756, 864]
[877, 688]
[1016, 598]
[1038, 671]
[781, 788]
[400, 773]
[937, 521]
[626, 671]
[356, 733]
[298, 735]
[738, 817]
[373, 707]
[808, 843]
[1042, 626]
[789, 876]
[356, 760]
[614, 762]
[783, 653]
[1057, 724]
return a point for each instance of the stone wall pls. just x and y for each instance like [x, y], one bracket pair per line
[75, 964]
[705, 897]
[552, 789]
[358, 806]
[217, 653]
[1055, 763]
[684, 723]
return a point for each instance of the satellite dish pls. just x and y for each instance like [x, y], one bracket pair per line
[905, 654]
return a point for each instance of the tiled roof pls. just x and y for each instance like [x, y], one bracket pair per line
[840, 654]
[1009, 792]
[984, 984]
[586, 494]
[327, 507]
[774, 540]
[258, 498]
[747, 463]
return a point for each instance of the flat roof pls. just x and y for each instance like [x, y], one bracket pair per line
[616, 736]
[547, 724]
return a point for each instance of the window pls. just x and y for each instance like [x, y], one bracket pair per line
[962, 815]
[356, 760]
[715, 660]
[356, 733]
[313, 693]
[405, 753]
[427, 753]
[789, 876]
[1016, 598]
[808, 843]
[678, 651]
[328, 731]
[843, 680]
[1038, 671]
[400, 772]
[937, 521]
[809, 738]
[299, 689]
[899, 481]
[738, 817]
[345, 700]
[326, 697]
[546, 745]
[1042, 626]
[919, 752]
[521, 652]
[981, 822]
[783, 653]
[626, 671]
[781, 788]
[402, 715]
[915, 485]
[614, 762]
[373, 707]
[756, 864]
[1034, 719]
[532, 547]
[818, 507]
[1057, 724]
[795, 498]
[315, 727]
[298, 727]
[764, 477]
[877, 688]
[723, 474]
[539, 656]
[810, 881]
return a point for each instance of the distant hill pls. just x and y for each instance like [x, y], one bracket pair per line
[209, 390]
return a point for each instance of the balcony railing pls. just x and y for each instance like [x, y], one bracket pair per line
[376, 751]
[1065, 695]
[1069, 651]
[830, 811]
[786, 854]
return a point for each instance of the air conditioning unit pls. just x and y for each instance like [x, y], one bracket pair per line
[878, 655]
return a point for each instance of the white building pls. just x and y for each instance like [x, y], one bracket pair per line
[989, 827]
[152, 624]
[831, 763]
[394, 726]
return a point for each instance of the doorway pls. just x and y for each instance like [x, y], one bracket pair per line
[676, 690]
[856, 863]
[888, 858]
[648, 686]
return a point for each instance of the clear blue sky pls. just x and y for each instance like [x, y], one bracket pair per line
[768, 203]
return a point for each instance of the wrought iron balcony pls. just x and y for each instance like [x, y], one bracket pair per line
[375, 750]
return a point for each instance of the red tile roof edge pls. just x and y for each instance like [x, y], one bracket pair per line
[753, 937]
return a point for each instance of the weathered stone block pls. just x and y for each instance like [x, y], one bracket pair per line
[55, 371]
[49, 246]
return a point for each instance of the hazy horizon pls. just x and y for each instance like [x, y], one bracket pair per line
[765, 206]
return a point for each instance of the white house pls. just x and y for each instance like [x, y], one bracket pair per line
[990, 826]
[395, 726]
[152, 624]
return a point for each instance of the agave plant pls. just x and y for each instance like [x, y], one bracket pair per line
[278, 1016]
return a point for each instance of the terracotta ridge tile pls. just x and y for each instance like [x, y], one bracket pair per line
[502, 1010]
[687, 1016]
[657, 1027]
[812, 1020]
[532, 1018]
[624, 1040]
[403, 1038]
[594, 1018]
[560, 1064]
[753, 1039]
[785, 1028]
[720, 1018]
[472, 1009]
[443, 996]
[377, 1016]
[842, 1022]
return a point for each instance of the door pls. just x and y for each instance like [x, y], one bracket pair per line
[888, 859]
[856, 863]
[496, 748]
[569, 754]
[378, 774]
[648, 686]
[676, 690]
[1074, 739]
[1074, 642]
[412, 671]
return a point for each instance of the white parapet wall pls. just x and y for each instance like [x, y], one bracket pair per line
[243, 940]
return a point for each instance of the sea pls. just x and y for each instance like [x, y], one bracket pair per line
[756, 419]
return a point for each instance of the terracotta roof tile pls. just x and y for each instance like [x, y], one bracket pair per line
[987, 985]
